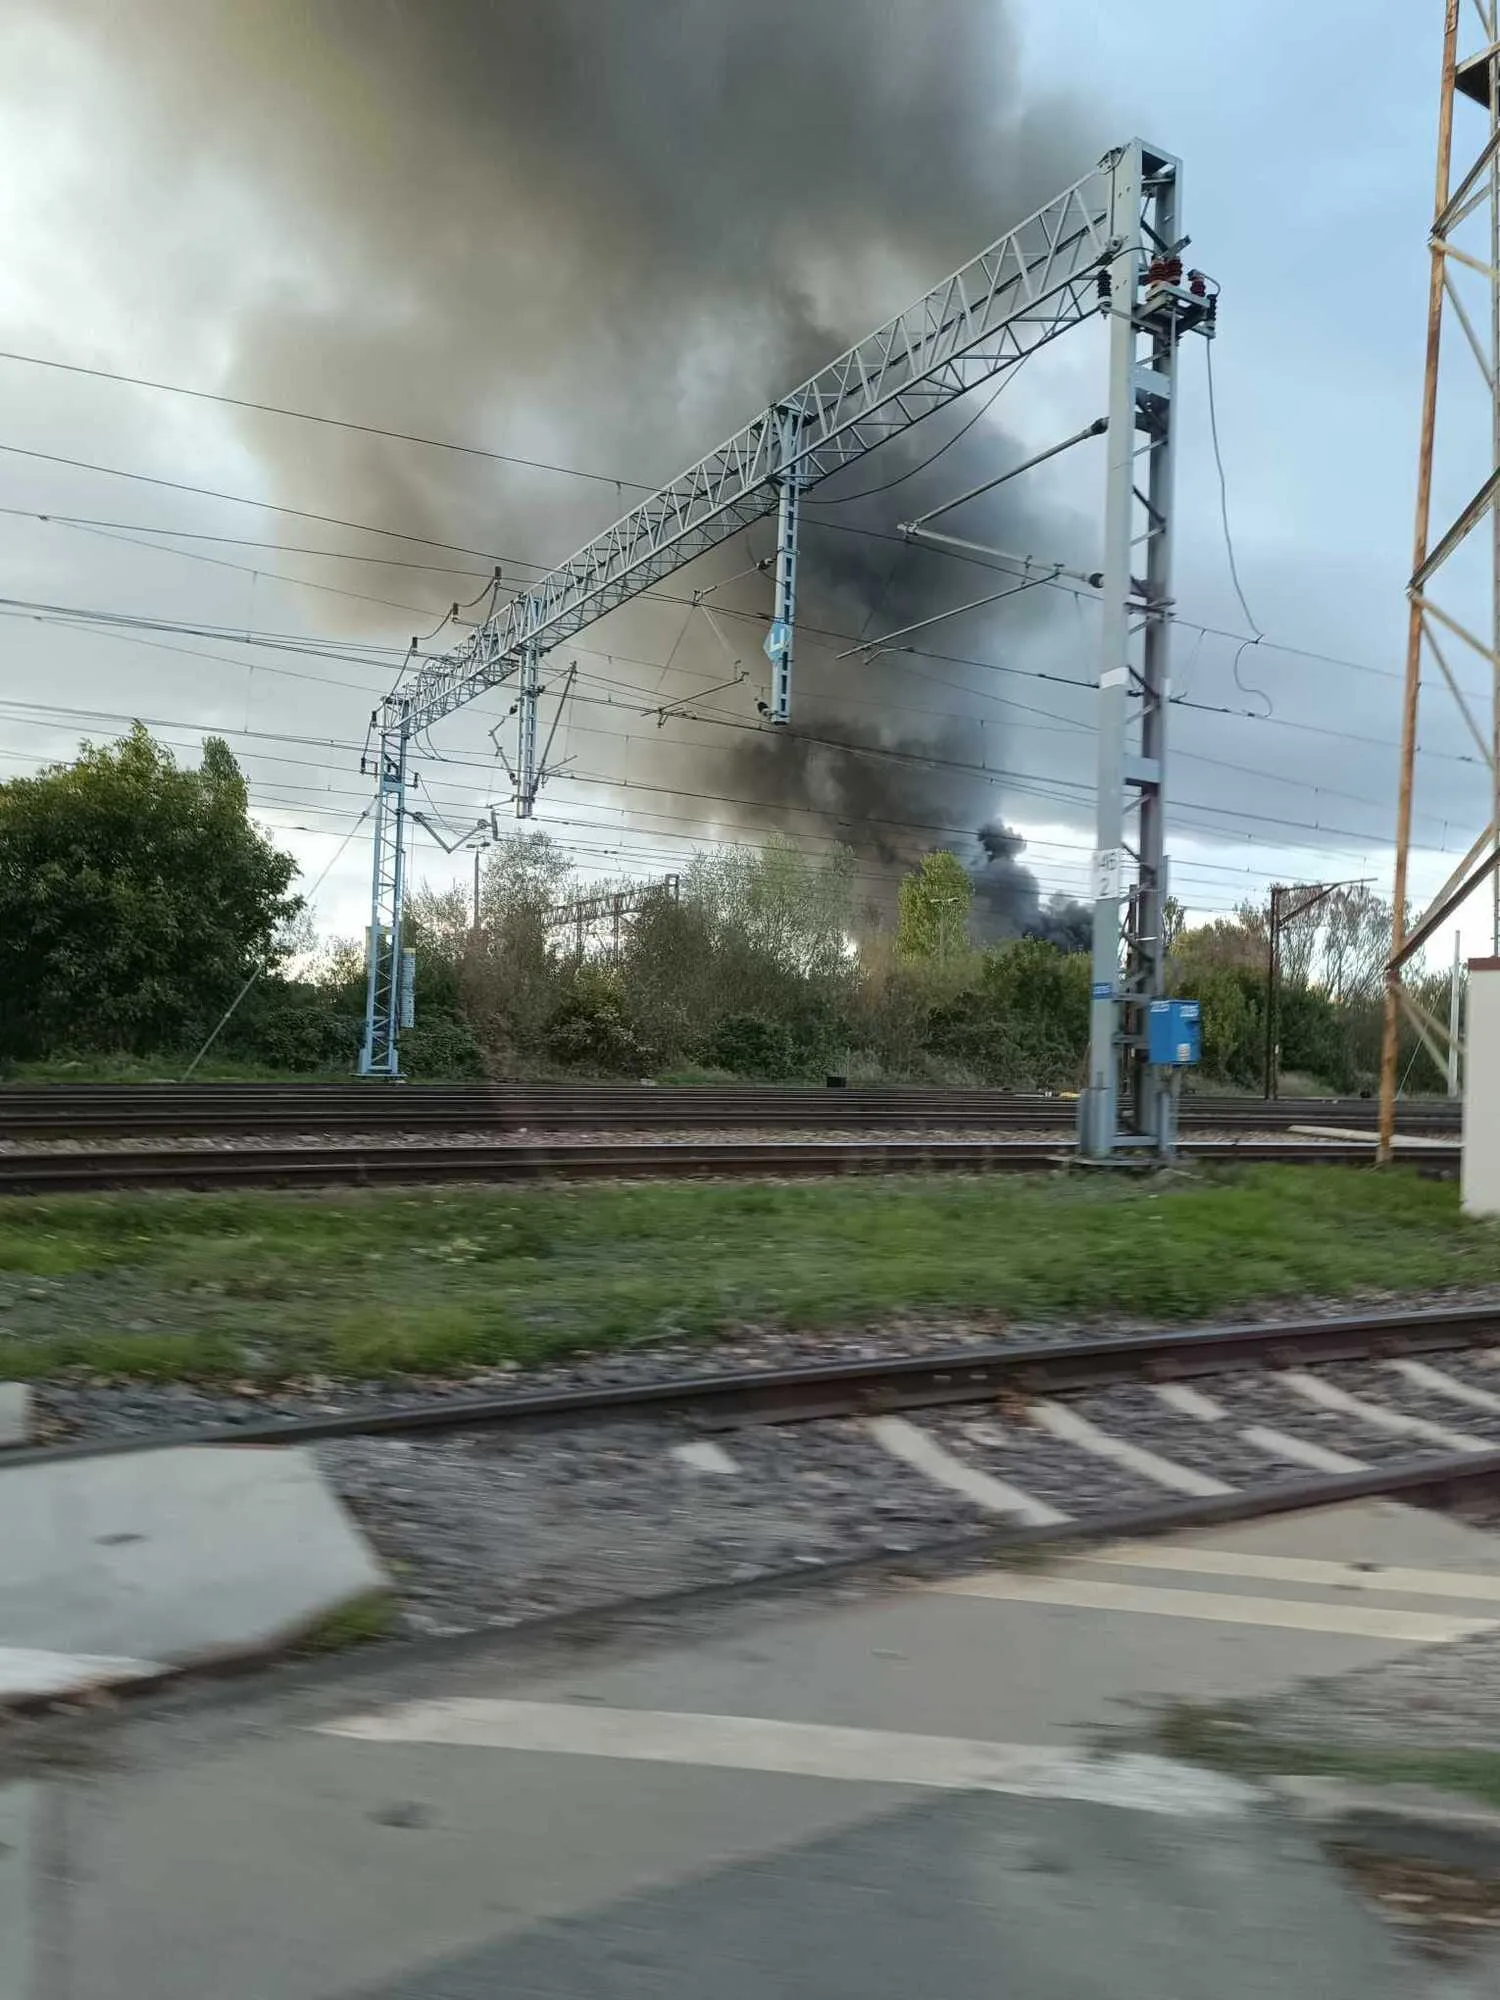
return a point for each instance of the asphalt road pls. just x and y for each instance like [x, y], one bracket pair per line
[887, 1796]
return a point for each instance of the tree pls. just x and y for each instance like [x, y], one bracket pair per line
[796, 908]
[1024, 1023]
[135, 898]
[510, 972]
[1356, 943]
[933, 909]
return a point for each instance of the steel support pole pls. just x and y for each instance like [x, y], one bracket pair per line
[528, 685]
[782, 640]
[1154, 1089]
[1273, 969]
[379, 1054]
[1099, 1108]
[1391, 1036]
[1129, 1104]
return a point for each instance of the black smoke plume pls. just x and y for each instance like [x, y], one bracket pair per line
[605, 233]
[1008, 902]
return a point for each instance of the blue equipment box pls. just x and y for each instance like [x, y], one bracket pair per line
[1173, 1033]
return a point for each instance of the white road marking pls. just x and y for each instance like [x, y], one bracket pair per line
[918, 1449]
[1326, 1396]
[1298, 1451]
[703, 1455]
[1073, 1429]
[1077, 1593]
[1190, 1402]
[1194, 1561]
[27, 1670]
[1423, 1375]
[804, 1749]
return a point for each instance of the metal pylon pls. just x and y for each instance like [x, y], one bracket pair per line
[379, 1054]
[1453, 609]
[782, 638]
[1128, 1105]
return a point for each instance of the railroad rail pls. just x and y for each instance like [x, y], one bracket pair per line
[1445, 1464]
[215, 1109]
[866, 1387]
[69, 1171]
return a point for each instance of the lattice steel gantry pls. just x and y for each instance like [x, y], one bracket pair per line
[1108, 246]
[1465, 273]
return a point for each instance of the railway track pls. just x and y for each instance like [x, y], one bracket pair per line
[81, 1171]
[141, 1111]
[873, 1386]
[505, 1509]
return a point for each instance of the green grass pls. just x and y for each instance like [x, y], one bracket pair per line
[447, 1280]
[159, 1069]
[358, 1623]
[1227, 1740]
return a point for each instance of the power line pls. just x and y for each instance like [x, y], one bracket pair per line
[67, 614]
[867, 492]
[519, 562]
[1018, 780]
[251, 569]
[357, 651]
[134, 622]
[1213, 431]
[1086, 596]
[54, 519]
[242, 500]
[316, 417]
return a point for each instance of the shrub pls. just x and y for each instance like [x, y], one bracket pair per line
[752, 1045]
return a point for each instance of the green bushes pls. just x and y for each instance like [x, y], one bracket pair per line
[140, 898]
[752, 1045]
[1023, 1023]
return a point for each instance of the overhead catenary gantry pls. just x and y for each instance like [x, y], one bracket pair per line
[1109, 245]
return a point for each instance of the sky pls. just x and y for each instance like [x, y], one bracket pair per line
[602, 237]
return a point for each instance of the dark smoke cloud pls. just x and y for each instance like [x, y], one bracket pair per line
[607, 232]
[1008, 903]
[621, 224]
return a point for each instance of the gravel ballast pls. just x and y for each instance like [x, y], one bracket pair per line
[477, 1534]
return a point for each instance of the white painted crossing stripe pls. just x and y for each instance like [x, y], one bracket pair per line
[1190, 1402]
[703, 1455]
[1328, 1396]
[1078, 1593]
[1073, 1429]
[26, 1670]
[922, 1452]
[1422, 1375]
[1298, 1451]
[1396, 1582]
[804, 1749]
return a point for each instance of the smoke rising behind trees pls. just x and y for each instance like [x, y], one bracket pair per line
[605, 235]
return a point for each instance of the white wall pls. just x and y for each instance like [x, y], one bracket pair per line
[1481, 1151]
